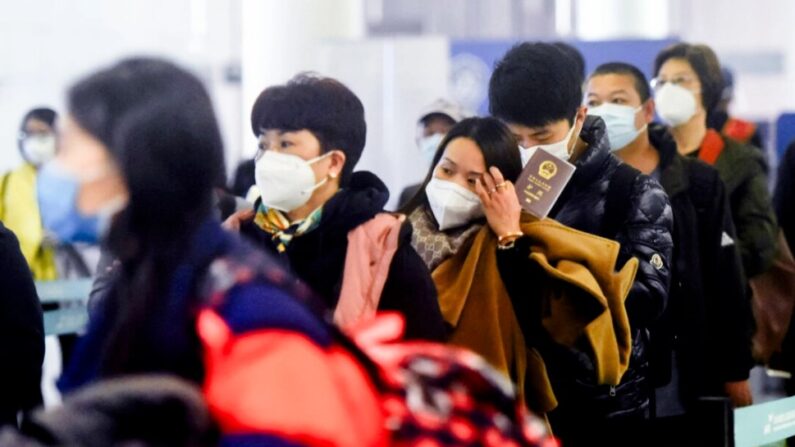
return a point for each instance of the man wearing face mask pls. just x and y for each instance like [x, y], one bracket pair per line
[315, 211]
[701, 346]
[435, 121]
[537, 92]
[688, 84]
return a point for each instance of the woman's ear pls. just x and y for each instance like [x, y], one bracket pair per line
[338, 159]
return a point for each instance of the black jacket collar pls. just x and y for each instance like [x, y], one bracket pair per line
[360, 200]
[673, 176]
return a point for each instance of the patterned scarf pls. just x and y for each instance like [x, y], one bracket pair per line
[275, 223]
[435, 246]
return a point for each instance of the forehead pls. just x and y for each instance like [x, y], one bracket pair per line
[278, 133]
[611, 83]
[553, 127]
[36, 124]
[465, 153]
[607, 85]
[676, 66]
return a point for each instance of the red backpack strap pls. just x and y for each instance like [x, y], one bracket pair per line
[740, 130]
[711, 147]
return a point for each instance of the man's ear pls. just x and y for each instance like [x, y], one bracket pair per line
[648, 110]
[338, 160]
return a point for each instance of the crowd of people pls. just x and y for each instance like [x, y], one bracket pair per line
[292, 308]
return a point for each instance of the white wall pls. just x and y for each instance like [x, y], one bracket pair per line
[742, 28]
[394, 77]
[45, 45]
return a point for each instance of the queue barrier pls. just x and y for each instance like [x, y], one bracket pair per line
[64, 303]
[765, 424]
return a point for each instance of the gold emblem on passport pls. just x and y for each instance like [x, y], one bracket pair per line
[542, 182]
[547, 170]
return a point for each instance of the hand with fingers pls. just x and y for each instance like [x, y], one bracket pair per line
[233, 222]
[500, 205]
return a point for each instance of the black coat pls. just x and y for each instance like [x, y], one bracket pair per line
[708, 319]
[21, 332]
[318, 257]
[646, 232]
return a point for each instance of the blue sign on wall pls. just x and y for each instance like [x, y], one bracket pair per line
[472, 63]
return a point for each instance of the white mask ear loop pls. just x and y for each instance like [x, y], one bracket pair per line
[325, 179]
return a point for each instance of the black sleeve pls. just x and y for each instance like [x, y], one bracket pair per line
[522, 278]
[727, 302]
[410, 290]
[21, 332]
[107, 270]
[647, 235]
[784, 198]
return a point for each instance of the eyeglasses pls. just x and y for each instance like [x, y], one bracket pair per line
[21, 136]
[657, 83]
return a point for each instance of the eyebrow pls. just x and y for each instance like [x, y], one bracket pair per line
[456, 164]
[681, 73]
[450, 161]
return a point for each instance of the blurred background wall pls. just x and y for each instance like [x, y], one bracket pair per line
[397, 55]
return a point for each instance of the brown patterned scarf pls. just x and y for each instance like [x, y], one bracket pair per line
[435, 246]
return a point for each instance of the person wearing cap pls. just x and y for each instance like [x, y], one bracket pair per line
[436, 119]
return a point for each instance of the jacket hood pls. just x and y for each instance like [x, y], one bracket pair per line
[359, 201]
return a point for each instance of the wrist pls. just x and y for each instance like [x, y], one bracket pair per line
[508, 238]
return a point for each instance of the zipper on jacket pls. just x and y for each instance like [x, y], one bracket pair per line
[612, 391]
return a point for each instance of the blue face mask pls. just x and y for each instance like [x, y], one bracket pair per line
[57, 195]
[428, 146]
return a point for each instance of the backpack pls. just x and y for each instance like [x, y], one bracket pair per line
[426, 391]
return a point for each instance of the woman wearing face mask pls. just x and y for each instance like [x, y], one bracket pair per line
[141, 151]
[325, 221]
[496, 270]
[688, 84]
[19, 209]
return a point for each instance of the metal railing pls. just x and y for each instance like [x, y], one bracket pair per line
[64, 304]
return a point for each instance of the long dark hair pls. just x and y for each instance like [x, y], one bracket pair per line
[496, 143]
[157, 121]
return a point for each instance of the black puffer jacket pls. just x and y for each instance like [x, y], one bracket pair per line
[644, 234]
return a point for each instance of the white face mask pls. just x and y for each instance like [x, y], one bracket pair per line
[620, 122]
[559, 149]
[452, 204]
[675, 104]
[39, 149]
[428, 146]
[285, 181]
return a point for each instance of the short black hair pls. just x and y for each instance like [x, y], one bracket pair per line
[535, 84]
[704, 62]
[622, 68]
[321, 105]
[496, 143]
[43, 114]
[574, 54]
